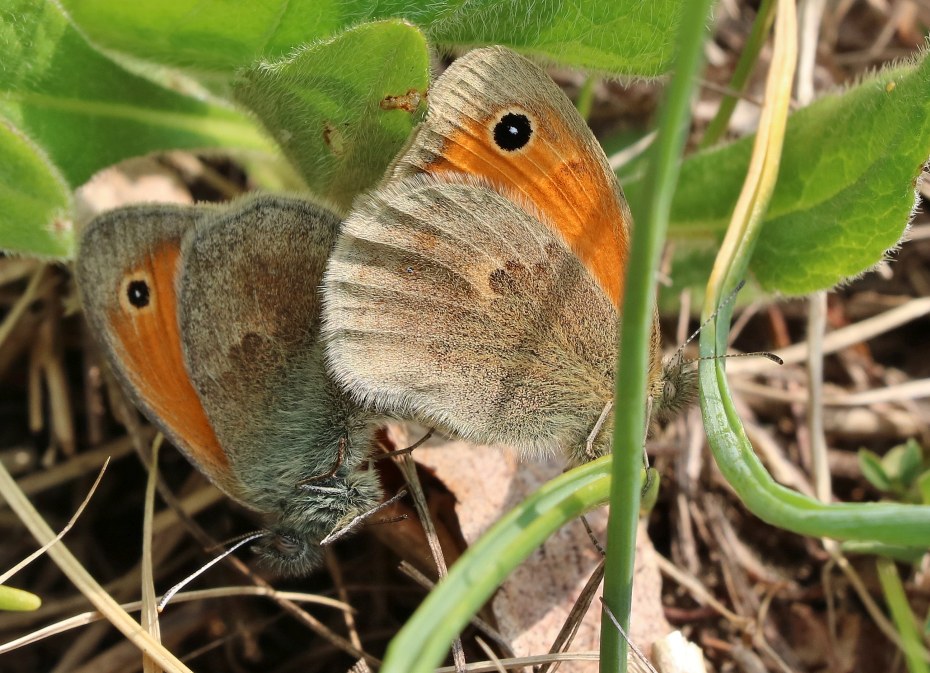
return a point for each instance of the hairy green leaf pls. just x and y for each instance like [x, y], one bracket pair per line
[35, 201]
[622, 36]
[845, 190]
[342, 109]
[80, 112]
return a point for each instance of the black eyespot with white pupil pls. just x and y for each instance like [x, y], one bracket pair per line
[513, 131]
[137, 292]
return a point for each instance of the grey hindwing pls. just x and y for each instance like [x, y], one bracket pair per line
[449, 303]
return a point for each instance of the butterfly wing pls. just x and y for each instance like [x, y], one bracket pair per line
[127, 269]
[449, 303]
[496, 115]
[249, 312]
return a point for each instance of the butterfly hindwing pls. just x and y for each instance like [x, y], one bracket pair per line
[448, 303]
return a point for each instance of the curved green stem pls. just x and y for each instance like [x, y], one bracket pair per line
[891, 524]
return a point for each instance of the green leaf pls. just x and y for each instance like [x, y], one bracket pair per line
[13, 599]
[873, 470]
[623, 36]
[902, 463]
[923, 487]
[35, 201]
[910, 462]
[845, 190]
[81, 112]
[337, 108]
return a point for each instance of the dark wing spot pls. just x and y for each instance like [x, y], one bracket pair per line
[513, 131]
[506, 280]
[138, 294]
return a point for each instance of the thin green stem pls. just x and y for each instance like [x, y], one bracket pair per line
[638, 308]
[747, 61]
[904, 619]
[424, 640]
[586, 96]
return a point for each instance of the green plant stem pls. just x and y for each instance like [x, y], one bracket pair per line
[638, 307]
[901, 614]
[891, 524]
[424, 640]
[747, 61]
[586, 96]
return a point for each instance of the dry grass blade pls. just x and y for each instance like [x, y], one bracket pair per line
[499, 667]
[842, 338]
[149, 616]
[45, 547]
[567, 634]
[83, 580]
[520, 662]
[86, 618]
[33, 290]
[476, 621]
[639, 660]
[332, 564]
[409, 470]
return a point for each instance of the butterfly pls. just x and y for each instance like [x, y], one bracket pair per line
[478, 288]
[209, 317]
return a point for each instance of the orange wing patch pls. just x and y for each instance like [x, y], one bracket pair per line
[561, 178]
[146, 328]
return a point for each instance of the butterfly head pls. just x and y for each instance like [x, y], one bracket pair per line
[292, 546]
[676, 388]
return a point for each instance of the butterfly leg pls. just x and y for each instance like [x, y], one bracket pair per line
[416, 445]
[589, 445]
[340, 456]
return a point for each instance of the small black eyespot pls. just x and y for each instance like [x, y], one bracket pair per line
[138, 293]
[513, 131]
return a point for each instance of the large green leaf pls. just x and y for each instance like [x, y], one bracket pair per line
[342, 109]
[845, 188]
[35, 201]
[622, 36]
[81, 112]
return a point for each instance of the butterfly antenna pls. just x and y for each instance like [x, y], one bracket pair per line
[766, 354]
[357, 521]
[242, 540]
[729, 299]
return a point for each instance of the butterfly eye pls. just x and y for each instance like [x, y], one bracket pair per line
[513, 131]
[137, 292]
[286, 546]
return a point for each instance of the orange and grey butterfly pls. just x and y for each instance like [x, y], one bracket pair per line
[210, 319]
[477, 289]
